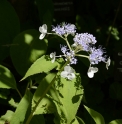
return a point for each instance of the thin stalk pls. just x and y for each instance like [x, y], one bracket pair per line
[63, 39]
[82, 56]
[45, 92]
[19, 93]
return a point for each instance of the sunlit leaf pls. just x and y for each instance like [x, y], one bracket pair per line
[97, 117]
[7, 79]
[29, 48]
[70, 95]
[42, 64]
[46, 105]
[7, 117]
[19, 115]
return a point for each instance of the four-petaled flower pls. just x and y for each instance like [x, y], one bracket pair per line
[43, 30]
[68, 73]
[91, 71]
[52, 56]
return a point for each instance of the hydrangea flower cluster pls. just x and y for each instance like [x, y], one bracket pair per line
[82, 42]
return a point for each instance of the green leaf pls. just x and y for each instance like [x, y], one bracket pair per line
[7, 79]
[46, 105]
[70, 94]
[9, 27]
[117, 121]
[29, 48]
[13, 103]
[97, 117]
[7, 117]
[42, 64]
[45, 11]
[19, 115]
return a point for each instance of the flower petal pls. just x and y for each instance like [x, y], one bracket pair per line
[91, 71]
[90, 74]
[42, 36]
[43, 29]
[64, 74]
[108, 62]
[71, 76]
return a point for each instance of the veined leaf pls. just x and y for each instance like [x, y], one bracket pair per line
[97, 117]
[40, 65]
[19, 115]
[7, 79]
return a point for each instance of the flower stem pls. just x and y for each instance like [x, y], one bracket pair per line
[45, 92]
[19, 93]
[82, 56]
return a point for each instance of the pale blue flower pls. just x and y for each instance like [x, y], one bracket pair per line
[85, 40]
[64, 28]
[96, 55]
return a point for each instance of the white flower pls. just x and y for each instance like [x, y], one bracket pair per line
[52, 56]
[91, 71]
[43, 30]
[108, 62]
[68, 73]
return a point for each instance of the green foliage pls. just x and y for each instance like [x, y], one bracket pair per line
[9, 27]
[98, 118]
[42, 64]
[19, 115]
[45, 97]
[29, 48]
[117, 121]
[7, 79]
[7, 117]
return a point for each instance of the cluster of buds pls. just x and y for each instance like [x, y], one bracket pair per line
[82, 42]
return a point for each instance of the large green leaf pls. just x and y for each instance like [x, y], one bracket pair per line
[19, 115]
[117, 121]
[28, 49]
[46, 105]
[9, 27]
[70, 95]
[7, 79]
[42, 64]
[7, 117]
[97, 117]
[45, 11]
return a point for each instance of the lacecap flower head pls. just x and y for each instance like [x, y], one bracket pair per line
[82, 42]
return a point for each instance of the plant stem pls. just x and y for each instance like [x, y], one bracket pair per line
[45, 92]
[19, 93]
[82, 56]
